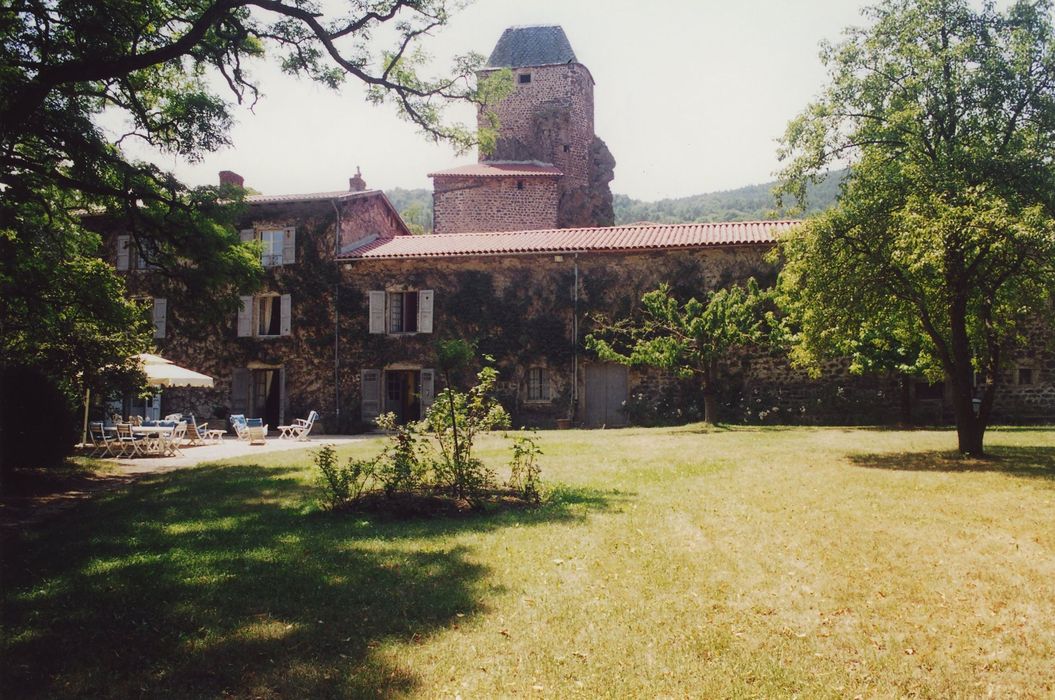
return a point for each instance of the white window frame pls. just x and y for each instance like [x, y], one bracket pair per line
[278, 245]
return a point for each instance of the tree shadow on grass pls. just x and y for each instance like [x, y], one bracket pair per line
[1025, 462]
[215, 581]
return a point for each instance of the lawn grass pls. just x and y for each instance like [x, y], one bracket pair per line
[670, 562]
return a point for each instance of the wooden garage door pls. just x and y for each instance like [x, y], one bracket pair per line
[605, 394]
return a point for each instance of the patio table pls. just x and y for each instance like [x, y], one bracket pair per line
[159, 438]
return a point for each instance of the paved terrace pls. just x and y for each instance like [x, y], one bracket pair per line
[227, 448]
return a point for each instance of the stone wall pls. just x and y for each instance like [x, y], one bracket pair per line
[464, 204]
[306, 355]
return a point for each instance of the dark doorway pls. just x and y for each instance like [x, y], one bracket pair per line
[403, 394]
[266, 399]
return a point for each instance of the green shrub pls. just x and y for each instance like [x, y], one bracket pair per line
[401, 467]
[524, 472]
[343, 485]
[38, 426]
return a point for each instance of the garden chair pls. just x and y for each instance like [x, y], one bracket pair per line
[103, 445]
[256, 431]
[175, 417]
[128, 442]
[300, 428]
[238, 423]
[201, 433]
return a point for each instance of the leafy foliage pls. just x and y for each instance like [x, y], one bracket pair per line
[525, 475]
[687, 339]
[152, 69]
[940, 247]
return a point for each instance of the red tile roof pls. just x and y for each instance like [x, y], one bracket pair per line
[308, 197]
[500, 169]
[634, 237]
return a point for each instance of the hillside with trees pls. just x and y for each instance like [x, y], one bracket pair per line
[742, 204]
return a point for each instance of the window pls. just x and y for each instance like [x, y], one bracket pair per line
[278, 246]
[400, 312]
[130, 257]
[268, 315]
[271, 250]
[265, 316]
[524, 78]
[538, 384]
[1025, 376]
[520, 184]
[567, 148]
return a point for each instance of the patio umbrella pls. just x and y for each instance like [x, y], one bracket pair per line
[162, 372]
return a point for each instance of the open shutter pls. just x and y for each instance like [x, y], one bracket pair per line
[377, 312]
[160, 311]
[122, 252]
[240, 391]
[428, 389]
[287, 312]
[370, 388]
[282, 396]
[425, 311]
[289, 245]
[246, 235]
[245, 318]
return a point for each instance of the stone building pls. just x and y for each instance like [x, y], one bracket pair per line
[352, 303]
[548, 168]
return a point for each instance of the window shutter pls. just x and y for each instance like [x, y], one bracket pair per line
[245, 318]
[122, 252]
[240, 391]
[370, 388]
[428, 389]
[160, 311]
[289, 245]
[377, 312]
[425, 311]
[282, 396]
[287, 313]
[246, 235]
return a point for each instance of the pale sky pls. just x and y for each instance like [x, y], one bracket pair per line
[690, 96]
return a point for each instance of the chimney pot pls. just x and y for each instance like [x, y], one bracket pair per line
[229, 177]
[357, 183]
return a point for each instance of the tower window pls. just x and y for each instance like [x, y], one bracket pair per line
[520, 184]
[524, 78]
[567, 148]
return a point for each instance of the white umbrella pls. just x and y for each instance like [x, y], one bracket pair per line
[162, 372]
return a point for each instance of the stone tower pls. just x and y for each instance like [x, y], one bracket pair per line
[548, 169]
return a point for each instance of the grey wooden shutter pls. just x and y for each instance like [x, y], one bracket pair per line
[246, 235]
[240, 391]
[160, 311]
[428, 389]
[122, 252]
[289, 245]
[377, 312]
[287, 311]
[370, 389]
[282, 396]
[245, 317]
[425, 311]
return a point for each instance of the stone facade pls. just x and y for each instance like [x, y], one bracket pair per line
[464, 204]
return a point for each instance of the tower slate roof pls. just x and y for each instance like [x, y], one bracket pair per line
[536, 45]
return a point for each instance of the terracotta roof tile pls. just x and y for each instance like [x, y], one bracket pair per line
[308, 197]
[570, 240]
[500, 169]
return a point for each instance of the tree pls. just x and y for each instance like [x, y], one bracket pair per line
[944, 232]
[154, 65]
[688, 339]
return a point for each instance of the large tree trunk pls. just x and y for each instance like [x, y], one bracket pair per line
[906, 400]
[970, 429]
[710, 394]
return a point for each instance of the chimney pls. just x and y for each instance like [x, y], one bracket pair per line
[357, 183]
[228, 177]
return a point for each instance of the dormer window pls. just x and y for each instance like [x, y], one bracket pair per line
[524, 78]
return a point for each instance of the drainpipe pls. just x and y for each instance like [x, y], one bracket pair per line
[575, 342]
[336, 316]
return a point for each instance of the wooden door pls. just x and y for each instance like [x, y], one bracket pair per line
[605, 395]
